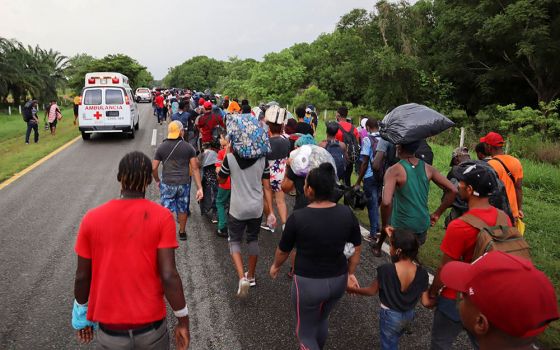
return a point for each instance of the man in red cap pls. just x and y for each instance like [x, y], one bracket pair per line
[509, 170]
[476, 183]
[506, 301]
[207, 122]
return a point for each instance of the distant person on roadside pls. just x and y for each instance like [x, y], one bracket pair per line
[459, 206]
[181, 115]
[302, 127]
[30, 115]
[509, 170]
[480, 150]
[250, 181]
[53, 116]
[224, 189]
[122, 245]
[400, 284]
[322, 272]
[207, 122]
[476, 184]
[498, 320]
[336, 148]
[179, 159]
[373, 183]
[159, 101]
[348, 134]
[77, 103]
[404, 201]
[277, 161]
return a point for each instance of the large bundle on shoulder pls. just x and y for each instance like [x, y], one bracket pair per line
[412, 122]
[308, 157]
[248, 139]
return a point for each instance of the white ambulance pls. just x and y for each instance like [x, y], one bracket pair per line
[107, 105]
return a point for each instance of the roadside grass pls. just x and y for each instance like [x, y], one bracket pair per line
[541, 204]
[15, 155]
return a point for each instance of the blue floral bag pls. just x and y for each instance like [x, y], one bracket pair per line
[248, 138]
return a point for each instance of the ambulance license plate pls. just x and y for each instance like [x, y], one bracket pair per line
[112, 113]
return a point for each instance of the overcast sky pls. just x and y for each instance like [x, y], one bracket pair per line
[162, 34]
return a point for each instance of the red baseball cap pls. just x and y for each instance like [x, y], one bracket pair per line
[493, 139]
[207, 105]
[515, 297]
[201, 101]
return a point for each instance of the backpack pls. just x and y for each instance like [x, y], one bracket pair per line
[27, 114]
[334, 148]
[499, 198]
[248, 139]
[352, 146]
[500, 237]
[379, 174]
[391, 155]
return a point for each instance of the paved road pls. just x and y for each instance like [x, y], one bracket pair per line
[40, 215]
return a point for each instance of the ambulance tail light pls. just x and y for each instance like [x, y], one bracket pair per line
[115, 80]
[126, 99]
[91, 81]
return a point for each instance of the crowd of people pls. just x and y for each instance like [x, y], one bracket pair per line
[243, 163]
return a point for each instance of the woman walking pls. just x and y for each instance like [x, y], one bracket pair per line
[319, 232]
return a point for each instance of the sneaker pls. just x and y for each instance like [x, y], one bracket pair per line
[265, 227]
[243, 288]
[369, 238]
[214, 218]
[222, 232]
[183, 236]
[252, 281]
[27, 143]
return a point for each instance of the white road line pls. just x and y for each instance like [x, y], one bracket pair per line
[154, 137]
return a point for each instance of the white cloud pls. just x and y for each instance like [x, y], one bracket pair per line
[164, 34]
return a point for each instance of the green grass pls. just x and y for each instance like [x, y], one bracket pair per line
[541, 204]
[16, 155]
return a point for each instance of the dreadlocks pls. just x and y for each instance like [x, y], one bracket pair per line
[135, 172]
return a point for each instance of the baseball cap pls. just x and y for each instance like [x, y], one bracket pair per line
[308, 110]
[515, 297]
[207, 105]
[201, 101]
[493, 139]
[478, 176]
[275, 115]
[174, 129]
[459, 151]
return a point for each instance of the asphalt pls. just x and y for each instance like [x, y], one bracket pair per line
[39, 218]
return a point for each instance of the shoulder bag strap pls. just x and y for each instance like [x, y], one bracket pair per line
[173, 150]
[474, 221]
[506, 169]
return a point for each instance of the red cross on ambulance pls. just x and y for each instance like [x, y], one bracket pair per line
[97, 115]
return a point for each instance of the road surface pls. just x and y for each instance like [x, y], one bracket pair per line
[40, 215]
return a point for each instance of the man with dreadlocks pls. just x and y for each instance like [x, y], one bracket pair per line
[123, 245]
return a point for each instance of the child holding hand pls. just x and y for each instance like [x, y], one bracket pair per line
[400, 284]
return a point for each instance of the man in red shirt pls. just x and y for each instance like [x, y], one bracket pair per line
[475, 186]
[206, 123]
[159, 107]
[353, 149]
[126, 263]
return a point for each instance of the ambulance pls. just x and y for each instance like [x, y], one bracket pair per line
[107, 105]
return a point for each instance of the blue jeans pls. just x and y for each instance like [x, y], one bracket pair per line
[392, 325]
[371, 190]
[32, 126]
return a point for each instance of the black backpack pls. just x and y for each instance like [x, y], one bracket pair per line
[334, 148]
[379, 174]
[27, 114]
[352, 145]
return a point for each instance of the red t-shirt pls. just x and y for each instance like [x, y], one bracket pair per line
[460, 238]
[221, 155]
[122, 237]
[206, 123]
[159, 101]
[347, 127]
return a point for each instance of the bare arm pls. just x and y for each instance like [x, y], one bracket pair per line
[363, 168]
[437, 284]
[354, 260]
[82, 281]
[155, 166]
[280, 258]
[372, 290]
[193, 163]
[267, 192]
[449, 189]
[390, 184]
[287, 185]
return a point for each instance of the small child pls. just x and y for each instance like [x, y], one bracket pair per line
[207, 161]
[224, 190]
[400, 285]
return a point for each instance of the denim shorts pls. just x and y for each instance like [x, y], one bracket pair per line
[175, 197]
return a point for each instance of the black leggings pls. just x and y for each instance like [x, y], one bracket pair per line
[313, 300]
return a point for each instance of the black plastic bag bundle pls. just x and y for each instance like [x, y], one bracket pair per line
[412, 122]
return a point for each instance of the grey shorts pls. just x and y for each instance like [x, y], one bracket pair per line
[237, 228]
[156, 339]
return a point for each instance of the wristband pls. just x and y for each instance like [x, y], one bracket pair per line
[182, 313]
[79, 320]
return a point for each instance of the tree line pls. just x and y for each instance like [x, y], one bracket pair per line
[450, 54]
[33, 72]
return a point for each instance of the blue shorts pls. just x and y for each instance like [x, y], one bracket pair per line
[175, 197]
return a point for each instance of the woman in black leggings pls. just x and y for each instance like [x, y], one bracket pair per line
[319, 232]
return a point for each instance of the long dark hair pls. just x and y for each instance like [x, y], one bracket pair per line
[322, 180]
[135, 172]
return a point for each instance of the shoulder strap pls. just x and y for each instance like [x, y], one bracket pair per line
[502, 219]
[506, 169]
[474, 221]
[173, 150]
